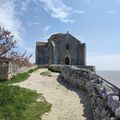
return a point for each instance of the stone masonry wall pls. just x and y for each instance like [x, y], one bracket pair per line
[14, 69]
[58, 67]
[104, 97]
[9, 69]
[3, 71]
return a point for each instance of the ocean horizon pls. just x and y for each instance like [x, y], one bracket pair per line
[113, 76]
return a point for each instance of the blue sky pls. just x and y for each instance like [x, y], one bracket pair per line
[95, 22]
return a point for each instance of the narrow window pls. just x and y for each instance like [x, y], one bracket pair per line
[67, 47]
[67, 62]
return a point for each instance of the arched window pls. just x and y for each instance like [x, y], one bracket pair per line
[67, 61]
[67, 46]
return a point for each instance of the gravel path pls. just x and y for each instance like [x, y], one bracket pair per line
[68, 103]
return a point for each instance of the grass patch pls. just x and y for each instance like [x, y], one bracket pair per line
[32, 70]
[16, 78]
[46, 73]
[19, 77]
[20, 104]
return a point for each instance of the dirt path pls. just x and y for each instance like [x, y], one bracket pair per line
[68, 103]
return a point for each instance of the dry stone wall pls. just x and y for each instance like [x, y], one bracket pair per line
[3, 71]
[104, 97]
[58, 67]
[9, 69]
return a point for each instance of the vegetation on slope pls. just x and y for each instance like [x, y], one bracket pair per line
[19, 103]
[19, 77]
[32, 70]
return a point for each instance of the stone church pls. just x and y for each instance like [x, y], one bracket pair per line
[61, 49]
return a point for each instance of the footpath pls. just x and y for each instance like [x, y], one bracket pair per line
[68, 103]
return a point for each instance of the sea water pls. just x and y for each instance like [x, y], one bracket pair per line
[111, 76]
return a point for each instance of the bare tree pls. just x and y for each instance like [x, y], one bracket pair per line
[6, 42]
[8, 51]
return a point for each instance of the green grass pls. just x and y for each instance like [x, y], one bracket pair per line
[46, 73]
[20, 104]
[32, 70]
[19, 77]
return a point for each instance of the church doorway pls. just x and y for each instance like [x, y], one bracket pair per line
[67, 61]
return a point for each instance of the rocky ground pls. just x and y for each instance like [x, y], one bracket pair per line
[68, 103]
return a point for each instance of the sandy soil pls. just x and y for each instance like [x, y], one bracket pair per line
[68, 103]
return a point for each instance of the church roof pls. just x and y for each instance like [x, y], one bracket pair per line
[58, 36]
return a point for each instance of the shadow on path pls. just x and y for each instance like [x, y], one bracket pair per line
[84, 99]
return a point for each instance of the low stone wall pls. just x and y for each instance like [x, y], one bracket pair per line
[14, 69]
[91, 68]
[104, 97]
[58, 67]
[3, 71]
[9, 69]
[43, 66]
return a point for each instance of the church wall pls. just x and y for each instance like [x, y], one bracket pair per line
[50, 54]
[73, 49]
[83, 54]
[41, 55]
[55, 51]
[74, 53]
[60, 49]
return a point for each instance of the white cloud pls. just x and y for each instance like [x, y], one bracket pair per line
[46, 28]
[79, 12]
[24, 5]
[90, 3]
[104, 62]
[57, 9]
[111, 12]
[33, 23]
[9, 21]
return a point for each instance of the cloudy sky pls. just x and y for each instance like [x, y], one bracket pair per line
[95, 22]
